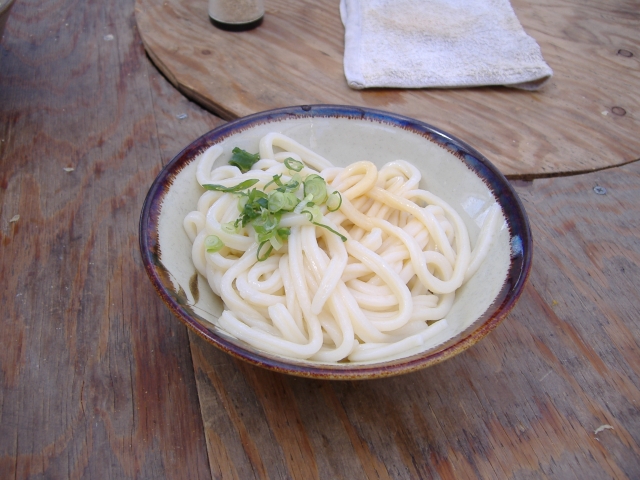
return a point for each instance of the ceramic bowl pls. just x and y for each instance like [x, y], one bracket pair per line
[451, 169]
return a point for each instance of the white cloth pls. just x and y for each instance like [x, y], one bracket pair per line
[438, 43]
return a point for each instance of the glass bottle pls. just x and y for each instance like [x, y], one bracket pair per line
[236, 15]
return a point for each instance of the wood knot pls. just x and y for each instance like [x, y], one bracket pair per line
[625, 53]
[618, 111]
[206, 52]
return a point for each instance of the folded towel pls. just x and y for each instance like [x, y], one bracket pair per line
[438, 43]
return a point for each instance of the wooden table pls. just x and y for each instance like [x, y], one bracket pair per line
[99, 380]
[584, 118]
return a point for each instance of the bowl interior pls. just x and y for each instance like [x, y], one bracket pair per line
[450, 169]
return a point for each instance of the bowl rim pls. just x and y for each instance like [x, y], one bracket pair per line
[513, 210]
[6, 6]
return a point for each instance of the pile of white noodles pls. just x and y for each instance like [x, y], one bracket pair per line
[383, 292]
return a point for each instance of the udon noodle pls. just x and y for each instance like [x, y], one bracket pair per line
[384, 291]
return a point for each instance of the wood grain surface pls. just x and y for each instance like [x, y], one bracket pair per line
[96, 376]
[551, 393]
[584, 119]
[99, 380]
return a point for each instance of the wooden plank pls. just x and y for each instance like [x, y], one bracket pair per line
[582, 120]
[552, 393]
[96, 378]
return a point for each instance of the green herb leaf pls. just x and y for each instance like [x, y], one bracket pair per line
[243, 159]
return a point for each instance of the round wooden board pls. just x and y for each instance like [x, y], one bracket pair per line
[583, 119]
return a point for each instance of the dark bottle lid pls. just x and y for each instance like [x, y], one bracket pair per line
[236, 27]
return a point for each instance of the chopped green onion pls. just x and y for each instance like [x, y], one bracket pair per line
[241, 186]
[313, 211]
[293, 164]
[276, 242]
[271, 222]
[290, 201]
[276, 201]
[284, 232]
[263, 211]
[212, 244]
[243, 159]
[266, 255]
[342, 237]
[282, 201]
[229, 227]
[334, 201]
[303, 203]
[276, 180]
[315, 185]
[293, 184]
[242, 202]
[256, 202]
[266, 225]
[256, 195]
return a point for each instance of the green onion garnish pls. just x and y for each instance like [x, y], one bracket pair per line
[213, 244]
[263, 210]
[276, 180]
[334, 201]
[313, 211]
[276, 242]
[303, 204]
[276, 201]
[243, 159]
[293, 164]
[315, 185]
[342, 237]
[242, 202]
[241, 186]
[293, 184]
[268, 252]
[229, 227]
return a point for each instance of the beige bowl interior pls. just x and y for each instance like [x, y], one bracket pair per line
[343, 141]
